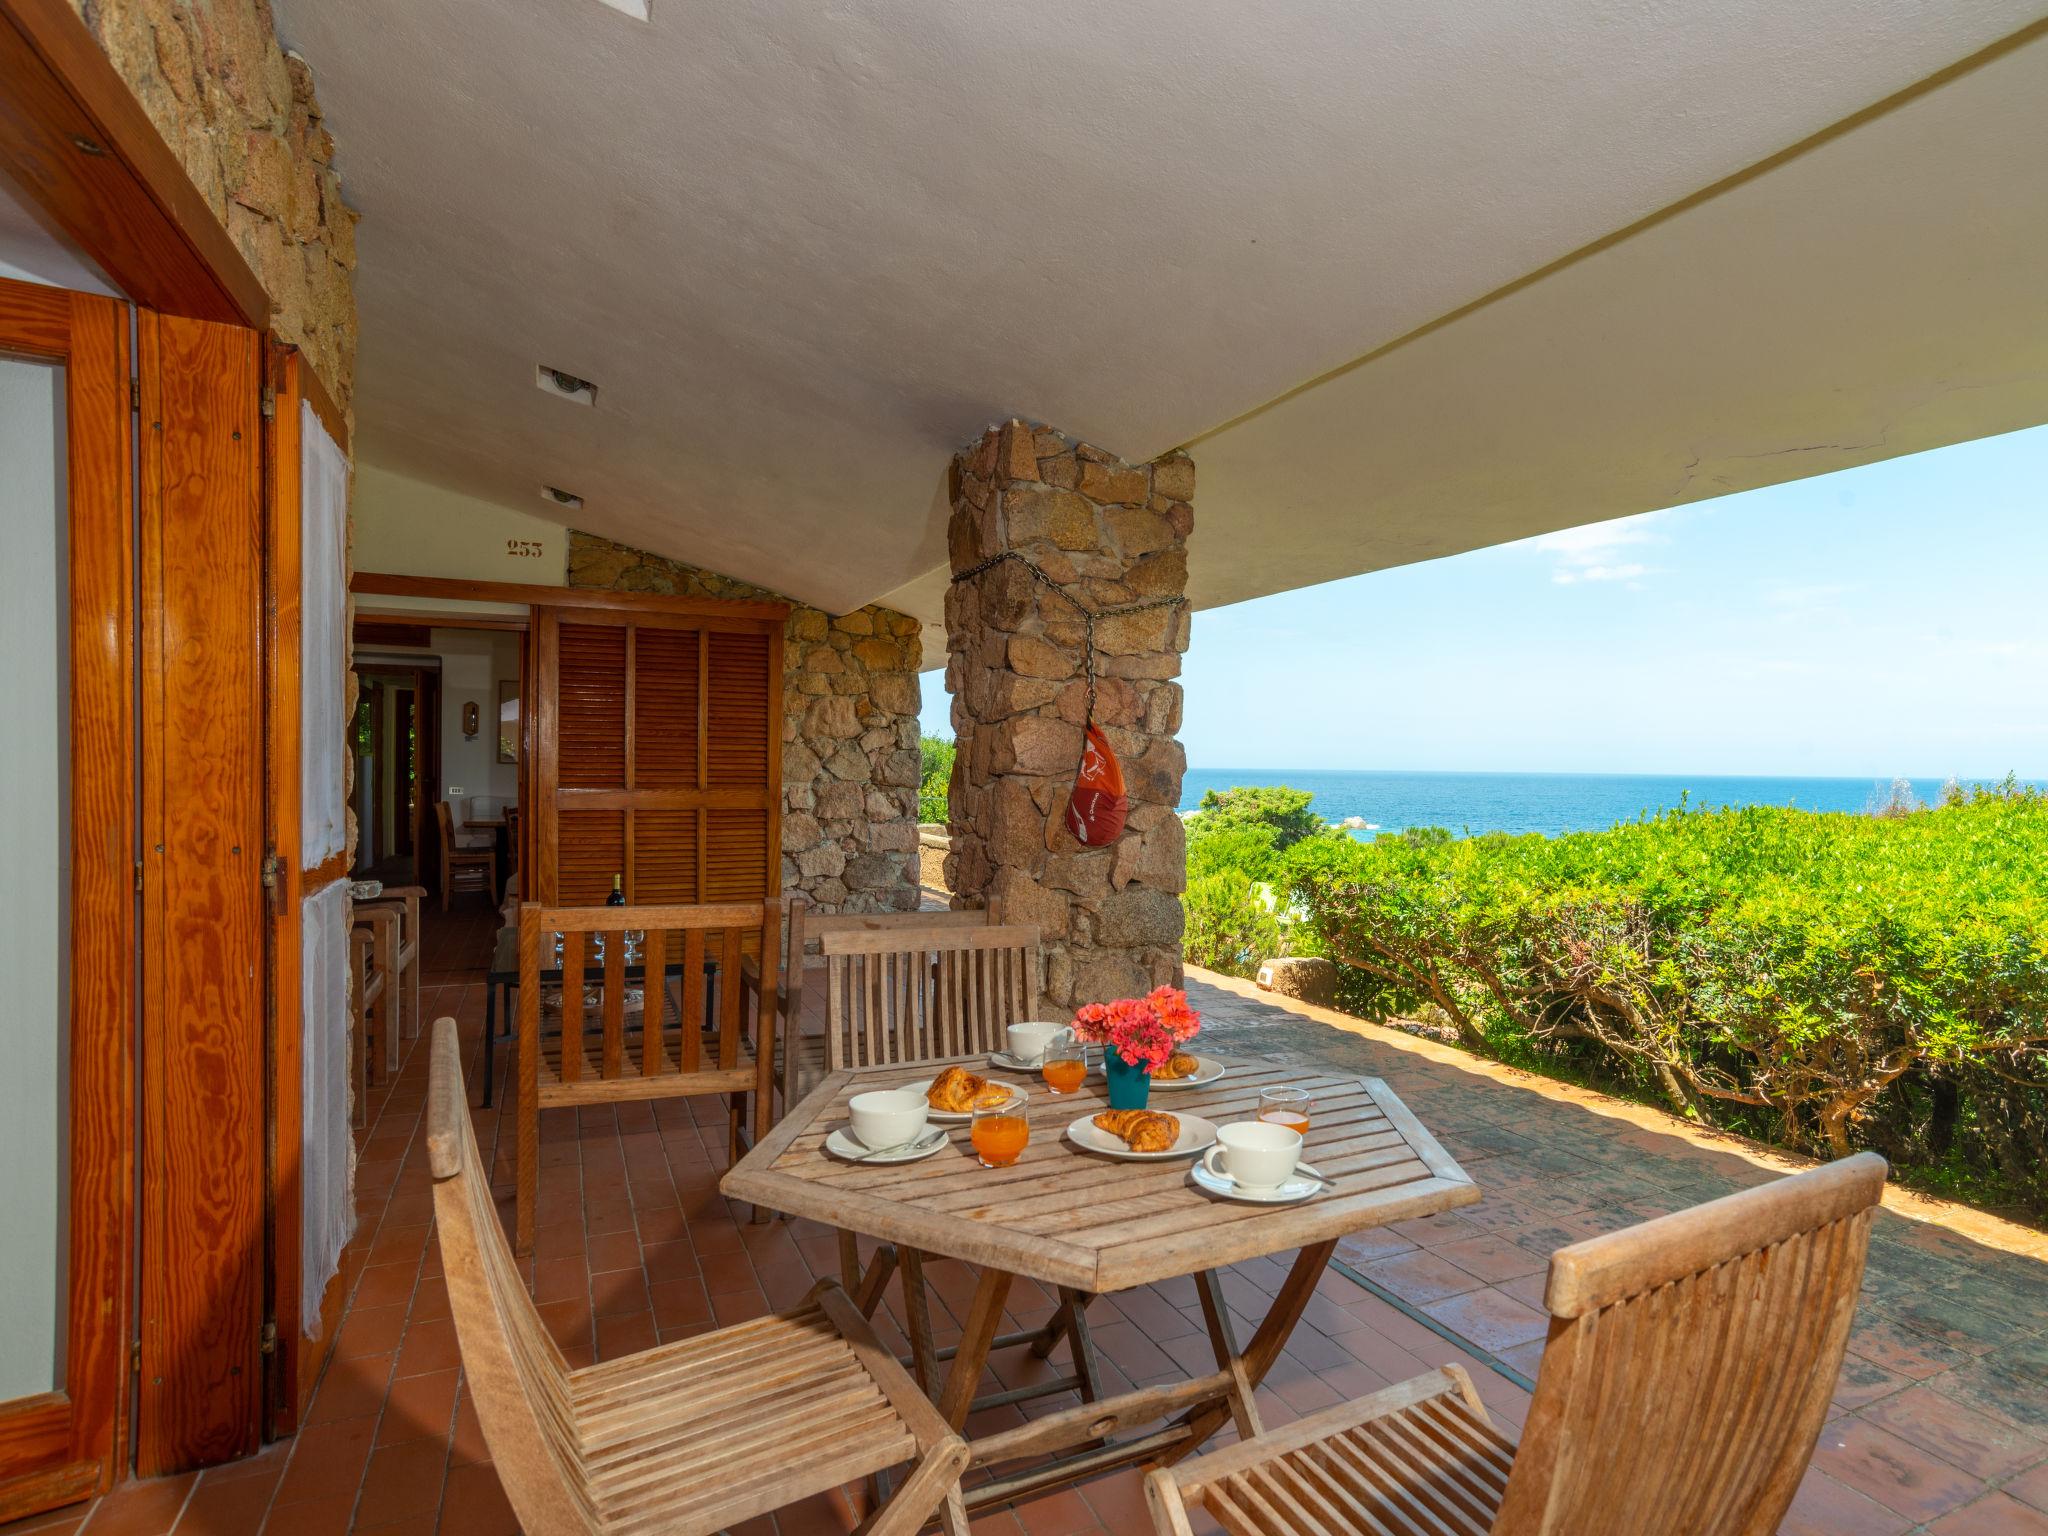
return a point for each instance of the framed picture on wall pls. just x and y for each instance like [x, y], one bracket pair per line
[508, 720]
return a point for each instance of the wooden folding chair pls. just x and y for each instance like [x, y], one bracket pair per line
[916, 990]
[801, 1055]
[648, 1051]
[691, 1437]
[1683, 1388]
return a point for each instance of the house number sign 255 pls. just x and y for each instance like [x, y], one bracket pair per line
[525, 549]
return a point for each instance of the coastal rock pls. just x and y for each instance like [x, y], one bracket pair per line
[1310, 978]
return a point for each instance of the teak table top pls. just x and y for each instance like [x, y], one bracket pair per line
[1070, 1217]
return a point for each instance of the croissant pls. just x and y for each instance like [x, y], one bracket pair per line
[1180, 1064]
[956, 1090]
[1142, 1130]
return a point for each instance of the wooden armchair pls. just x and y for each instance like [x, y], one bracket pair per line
[662, 1053]
[1683, 1388]
[465, 862]
[686, 1439]
[403, 902]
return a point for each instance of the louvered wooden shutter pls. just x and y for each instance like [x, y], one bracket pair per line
[658, 757]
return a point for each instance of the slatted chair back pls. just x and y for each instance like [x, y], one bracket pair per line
[915, 991]
[638, 1017]
[1691, 1359]
[513, 1371]
[804, 1054]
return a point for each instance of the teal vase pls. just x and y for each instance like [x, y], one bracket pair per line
[1130, 1084]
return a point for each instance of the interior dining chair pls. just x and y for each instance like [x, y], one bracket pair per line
[686, 1439]
[1683, 1388]
[469, 860]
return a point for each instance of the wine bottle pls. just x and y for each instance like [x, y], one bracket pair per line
[618, 895]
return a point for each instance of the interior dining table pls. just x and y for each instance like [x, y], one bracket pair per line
[1083, 1224]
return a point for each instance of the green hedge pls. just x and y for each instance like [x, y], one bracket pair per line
[1825, 981]
[935, 778]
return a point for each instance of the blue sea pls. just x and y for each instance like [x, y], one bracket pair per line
[1537, 802]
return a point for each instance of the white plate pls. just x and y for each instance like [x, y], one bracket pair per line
[1209, 1070]
[1196, 1135]
[958, 1116]
[841, 1143]
[1281, 1194]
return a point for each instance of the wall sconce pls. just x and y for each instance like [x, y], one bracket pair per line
[470, 719]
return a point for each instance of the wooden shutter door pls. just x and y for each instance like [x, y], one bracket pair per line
[658, 756]
[743, 764]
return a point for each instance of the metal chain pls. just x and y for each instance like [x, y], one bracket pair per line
[1088, 615]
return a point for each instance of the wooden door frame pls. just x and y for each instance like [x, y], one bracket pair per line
[426, 833]
[64, 1445]
[206, 933]
[79, 143]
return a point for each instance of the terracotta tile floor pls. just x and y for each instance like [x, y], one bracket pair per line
[1941, 1420]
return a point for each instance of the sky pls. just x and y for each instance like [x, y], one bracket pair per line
[1881, 621]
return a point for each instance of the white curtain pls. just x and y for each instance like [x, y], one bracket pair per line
[323, 495]
[327, 1151]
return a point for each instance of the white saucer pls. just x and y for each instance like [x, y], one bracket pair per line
[958, 1116]
[1282, 1194]
[1209, 1070]
[841, 1143]
[1009, 1063]
[1196, 1135]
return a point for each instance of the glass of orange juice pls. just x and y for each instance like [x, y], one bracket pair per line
[1066, 1066]
[1285, 1106]
[1000, 1133]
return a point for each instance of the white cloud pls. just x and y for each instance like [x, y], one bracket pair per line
[1817, 595]
[1599, 551]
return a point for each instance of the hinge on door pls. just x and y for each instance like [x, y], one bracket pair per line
[269, 1338]
[269, 403]
[135, 1357]
[138, 875]
[135, 394]
[271, 867]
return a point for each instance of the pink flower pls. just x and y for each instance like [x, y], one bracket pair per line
[1143, 1030]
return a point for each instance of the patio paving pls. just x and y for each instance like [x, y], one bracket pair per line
[1940, 1425]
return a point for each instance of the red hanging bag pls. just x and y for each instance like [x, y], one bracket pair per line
[1098, 806]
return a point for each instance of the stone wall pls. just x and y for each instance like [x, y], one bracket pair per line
[849, 731]
[1105, 532]
[242, 116]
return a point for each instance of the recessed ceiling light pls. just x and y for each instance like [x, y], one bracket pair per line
[564, 386]
[637, 9]
[560, 497]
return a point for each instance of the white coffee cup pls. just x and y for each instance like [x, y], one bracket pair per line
[1255, 1155]
[1030, 1041]
[887, 1118]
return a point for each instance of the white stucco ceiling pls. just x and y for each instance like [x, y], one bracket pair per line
[807, 250]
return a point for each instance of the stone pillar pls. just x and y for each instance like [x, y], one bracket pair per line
[1105, 532]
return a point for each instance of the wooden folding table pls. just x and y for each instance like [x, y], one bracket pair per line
[1083, 1224]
